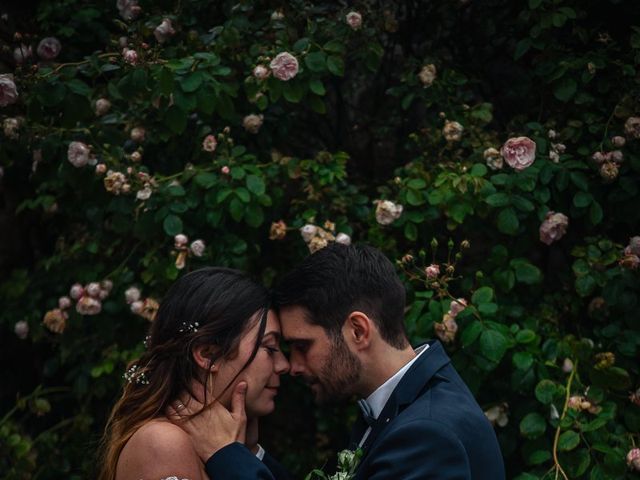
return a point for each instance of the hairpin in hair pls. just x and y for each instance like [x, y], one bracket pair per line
[189, 327]
[135, 375]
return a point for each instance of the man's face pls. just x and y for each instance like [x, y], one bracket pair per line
[327, 365]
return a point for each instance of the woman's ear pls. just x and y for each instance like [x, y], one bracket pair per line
[202, 355]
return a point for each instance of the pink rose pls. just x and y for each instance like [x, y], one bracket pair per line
[22, 53]
[252, 123]
[432, 271]
[519, 152]
[343, 238]
[8, 90]
[21, 329]
[354, 20]
[387, 211]
[457, 306]
[428, 74]
[164, 31]
[138, 134]
[632, 127]
[447, 329]
[128, 9]
[180, 240]
[261, 72]
[132, 294]
[130, 56]
[452, 131]
[49, 48]
[102, 106]
[209, 143]
[88, 306]
[225, 170]
[618, 141]
[553, 227]
[633, 458]
[634, 246]
[284, 66]
[197, 247]
[78, 154]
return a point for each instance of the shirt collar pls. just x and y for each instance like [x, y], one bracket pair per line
[378, 399]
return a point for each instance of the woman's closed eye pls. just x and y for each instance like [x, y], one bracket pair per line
[271, 349]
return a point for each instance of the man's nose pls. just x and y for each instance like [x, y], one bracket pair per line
[296, 366]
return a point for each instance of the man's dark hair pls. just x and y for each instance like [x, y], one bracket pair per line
[339, 279]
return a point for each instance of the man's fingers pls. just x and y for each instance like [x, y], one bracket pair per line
[238, 399]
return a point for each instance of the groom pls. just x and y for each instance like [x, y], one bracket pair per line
[342, 313]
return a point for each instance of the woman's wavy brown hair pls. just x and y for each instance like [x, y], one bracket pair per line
[224, 303]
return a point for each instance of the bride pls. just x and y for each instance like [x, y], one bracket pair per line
[214, 333]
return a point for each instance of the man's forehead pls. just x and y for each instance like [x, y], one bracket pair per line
[295, 323]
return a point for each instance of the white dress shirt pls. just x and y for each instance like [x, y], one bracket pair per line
[379, 398]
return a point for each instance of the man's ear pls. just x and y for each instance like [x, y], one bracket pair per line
[358, 330]
[202, 355]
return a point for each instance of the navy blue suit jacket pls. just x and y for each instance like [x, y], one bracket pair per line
[431, 428]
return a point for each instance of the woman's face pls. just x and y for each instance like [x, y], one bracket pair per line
[262, 374]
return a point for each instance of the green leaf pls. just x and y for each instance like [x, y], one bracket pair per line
[471, 333]
[525, 336]
[191, 82]
[582, 199]
[255, 184]
[526, 272]
[595, 213]
[317, 87]
[533, 425]
[316, 61]
[493, 345]
[533, 4]
[498, 200]
[522, 360]
[545, 391]
[335, 65]
[172, 225]
[414, 198]
[206, 179]
[176, 119]
[565, 89]
[522, 47]
[254, 215]
[508, 222]
[411, 231]
[243, 194]
[522, 204]
[482, 295]
[236, 209]
[568, 441]
[417, 184]
[165, 81]
[293, 91]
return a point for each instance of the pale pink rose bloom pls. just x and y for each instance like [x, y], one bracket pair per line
[88, 306]
[632, 127]
[106, 285]
[428, 74]
[55, 320]
[93, 289]
[197, 247]
[22, 53]
[497, 415]
[343, 238]
[130, 56]
[630, 261]
[493, 159]
[64, 302]
[634, 245]
[21, 329]
[354, 20]
[144, 193]
[567, 365]
[618, 141]
[138, 134]
[387, 211]
[78, 154]
[132, 294]
[180, 240]
[609, 171]
[128, 9]
[137, 307]
[164, 31]
[553, 227]
[284, 66]
[519, 152]
[432, 271]
[8, 90]
[209, 143]
[457, 306]
[633, 458]
[252, 123]
[76, 291]
[49, 48]
[447, 329]
[225, 170]
[452, 131]
[261, 72]
[308, 232]
[102, 106]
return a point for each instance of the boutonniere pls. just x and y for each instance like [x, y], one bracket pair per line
[347, 463]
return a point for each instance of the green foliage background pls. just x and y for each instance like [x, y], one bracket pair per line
[355, 125]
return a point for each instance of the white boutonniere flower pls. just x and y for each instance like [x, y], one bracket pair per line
[347, 463]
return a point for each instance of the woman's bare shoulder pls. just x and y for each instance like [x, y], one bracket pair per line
[158, 450]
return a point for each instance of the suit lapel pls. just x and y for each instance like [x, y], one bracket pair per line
[412, 385]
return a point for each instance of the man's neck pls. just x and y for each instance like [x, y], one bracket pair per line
[384, 364]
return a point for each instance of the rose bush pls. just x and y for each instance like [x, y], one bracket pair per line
[492, 150]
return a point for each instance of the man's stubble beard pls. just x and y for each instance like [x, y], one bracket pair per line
[340, 375]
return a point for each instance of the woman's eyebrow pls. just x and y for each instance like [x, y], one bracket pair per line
[274, 334]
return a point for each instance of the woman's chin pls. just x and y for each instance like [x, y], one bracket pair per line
[260, 409]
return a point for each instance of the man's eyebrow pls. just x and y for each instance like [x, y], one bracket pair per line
[296, 340]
